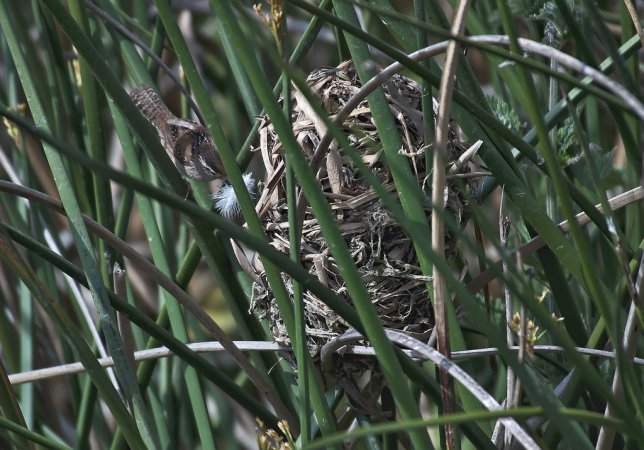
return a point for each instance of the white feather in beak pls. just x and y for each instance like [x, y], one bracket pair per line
[225, 199]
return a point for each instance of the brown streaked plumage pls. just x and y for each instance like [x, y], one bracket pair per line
[188, 144]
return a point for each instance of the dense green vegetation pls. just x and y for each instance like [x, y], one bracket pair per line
[106, 250]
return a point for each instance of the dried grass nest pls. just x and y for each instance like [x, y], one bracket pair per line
[384, 255]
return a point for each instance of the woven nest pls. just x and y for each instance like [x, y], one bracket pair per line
[384, 255]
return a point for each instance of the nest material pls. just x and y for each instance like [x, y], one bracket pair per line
[384, 255]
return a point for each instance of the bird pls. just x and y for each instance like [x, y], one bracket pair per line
[188, 144]
[191, 148]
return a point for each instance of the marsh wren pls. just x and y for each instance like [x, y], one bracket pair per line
[188, 144]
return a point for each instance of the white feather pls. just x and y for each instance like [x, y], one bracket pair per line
[225, 199]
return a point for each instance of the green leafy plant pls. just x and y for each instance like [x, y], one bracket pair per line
[500, 194]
